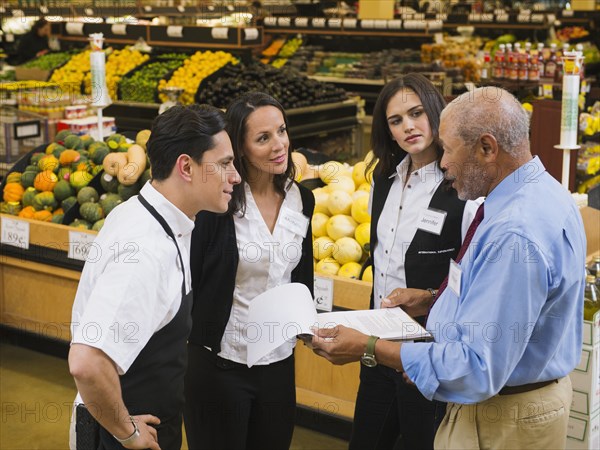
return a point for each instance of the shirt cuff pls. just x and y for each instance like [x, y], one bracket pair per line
[417, 365]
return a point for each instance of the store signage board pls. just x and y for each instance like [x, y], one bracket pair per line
[119, 29]
[220, 33]
[323, 293]
[568, 13]
[15, 232]
[175, 31]
[80, 245]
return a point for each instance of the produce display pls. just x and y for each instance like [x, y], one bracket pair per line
[49, 61]
[291, 88]
[72, 74]
[194, 70]
[118, 63]
[141, 85]
[287, 51]
[64, 177]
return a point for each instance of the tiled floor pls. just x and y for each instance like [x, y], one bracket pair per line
[36, 392]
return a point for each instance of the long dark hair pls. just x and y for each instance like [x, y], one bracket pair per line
[40, 23]
[387, 150]
[237, 117]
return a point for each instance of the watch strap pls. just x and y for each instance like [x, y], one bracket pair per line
[134, 435]
[370, 350]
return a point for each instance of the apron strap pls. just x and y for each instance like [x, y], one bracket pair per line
[168, 230]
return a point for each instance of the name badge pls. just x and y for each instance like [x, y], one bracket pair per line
[454, 277]
[294, 221]
[431, 220]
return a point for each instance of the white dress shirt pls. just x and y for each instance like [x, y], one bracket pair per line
[130, 286]
[265, 261]
[398, 223]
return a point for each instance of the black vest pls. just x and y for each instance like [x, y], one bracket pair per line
[427, 259]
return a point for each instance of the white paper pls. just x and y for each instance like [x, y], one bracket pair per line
[119, 28]
[175, 31]
[282, 313]
[220, 33]
[250, 34]
[74, 28]
[454, 276]
[15, 232]
[80, 245]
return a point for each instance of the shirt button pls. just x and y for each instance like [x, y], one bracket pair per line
[382, 274]
[392, 230]
[179, 235]
[409, 186]
[380, 296]
[401, 207]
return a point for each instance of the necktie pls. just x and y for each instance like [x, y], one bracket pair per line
[463, 249]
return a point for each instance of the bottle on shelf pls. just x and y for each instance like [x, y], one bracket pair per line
[541, 59]
[591, 298]
[594, 268]
[558, 74]
[550, 68]
[486, 67]
[528, 48]
[534, 69]
[513, 67]
[517, 48]
[499, 62]
[522, 67]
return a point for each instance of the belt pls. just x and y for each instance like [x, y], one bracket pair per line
[510, 390]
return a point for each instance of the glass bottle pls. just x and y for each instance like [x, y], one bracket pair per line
[541, 59]
[523, 67]
[534, 69]
[591, 298]
[550, 68]
[486, 68]
[499, 62]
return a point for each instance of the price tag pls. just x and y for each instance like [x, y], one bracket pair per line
[250, 34]
[475, 17]
[487, 17]
[15, 232]
[43, 9]
[284, 21]
[220, 33]
[380, 24]
[318, 22]
[502, 17]
[270, 21]
[350, 23]
[523, 17]
[2, 9]
[301, 22]
[434, 25]
[88, 11]
[119, 28]
[367, 23]
[74, 28]
[395, 24]
[148, 8]
[568, 13]
[323, 293]
[80, 245]
[19, 12]
[175, 31]
[438, 38]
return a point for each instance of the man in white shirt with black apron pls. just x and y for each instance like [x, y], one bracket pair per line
[132, 312]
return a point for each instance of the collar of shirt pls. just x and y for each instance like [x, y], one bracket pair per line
[429, 174]
[504, 193]
[181, 224]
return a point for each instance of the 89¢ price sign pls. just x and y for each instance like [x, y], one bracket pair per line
[81, 246]
[15, 232]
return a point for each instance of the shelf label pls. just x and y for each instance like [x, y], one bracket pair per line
[538, 18]
[175, 31]
[438, 38]
[15, 232]
[323, 293]
[502, 17]
[26, 130]
[350, 23]
[74, 28]
[367, 23]
[319, 22]
[568, 13]
[250, 34]
[181, 9]
[148, 8]
[551, 18]
[301, 21]
[284, 21]
[434, 25]
[380, 24]
[523, 17]
[80, 245]
[220, 32]
[395, 24]
[119, 28]
[270, 21]
[476, 17]
[335, 23]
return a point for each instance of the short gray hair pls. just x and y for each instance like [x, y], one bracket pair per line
[490, 110]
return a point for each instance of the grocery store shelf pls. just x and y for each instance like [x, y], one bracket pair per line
[349, 33]
[354, 81]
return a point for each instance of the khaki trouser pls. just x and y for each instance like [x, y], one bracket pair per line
[531, 420]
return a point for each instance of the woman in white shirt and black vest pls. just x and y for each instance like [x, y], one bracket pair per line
[416, 224]
[234, 258]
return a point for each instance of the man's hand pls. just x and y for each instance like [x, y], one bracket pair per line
[148, 435]
[340, 345]
[415, 302]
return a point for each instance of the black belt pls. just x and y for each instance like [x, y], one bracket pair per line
[510, 390]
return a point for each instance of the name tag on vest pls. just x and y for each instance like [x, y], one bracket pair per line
[294, 221]
[431, 220]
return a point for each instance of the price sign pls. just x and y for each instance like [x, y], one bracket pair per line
[119, 28]
[250, 34]
[323, 293]
[80, 245]
[15, 232]
[220, 33]
[74, 28]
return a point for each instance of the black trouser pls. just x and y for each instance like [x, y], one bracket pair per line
[231, 406]
[391, 414]
[169, 436]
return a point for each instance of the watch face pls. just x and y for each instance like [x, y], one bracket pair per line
[368, 360]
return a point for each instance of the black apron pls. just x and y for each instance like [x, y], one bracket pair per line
[154, 382]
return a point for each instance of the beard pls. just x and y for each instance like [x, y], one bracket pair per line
[473, 181]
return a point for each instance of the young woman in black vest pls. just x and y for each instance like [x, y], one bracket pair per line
[416, 224]
[234, 258]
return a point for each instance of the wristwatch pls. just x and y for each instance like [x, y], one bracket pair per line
[134, 435]
[368, 358]
[433, 292]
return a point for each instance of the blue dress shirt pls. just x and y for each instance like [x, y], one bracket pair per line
[518, 318]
